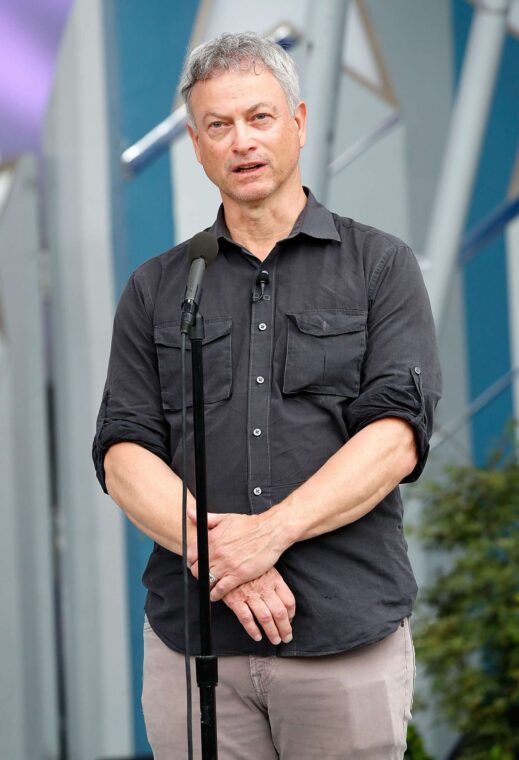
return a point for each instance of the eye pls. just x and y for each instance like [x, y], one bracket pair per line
[216, 125]
[261, 116]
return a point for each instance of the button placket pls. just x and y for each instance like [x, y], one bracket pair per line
[259, 381]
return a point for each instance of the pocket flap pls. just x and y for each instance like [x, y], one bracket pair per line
[329, 322]
[169, 335]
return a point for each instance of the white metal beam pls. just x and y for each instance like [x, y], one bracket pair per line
[323, 68]
[462, 152]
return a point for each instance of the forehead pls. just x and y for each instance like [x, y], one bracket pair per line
[233, 90]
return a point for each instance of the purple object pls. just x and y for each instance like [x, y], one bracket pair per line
[30, 33]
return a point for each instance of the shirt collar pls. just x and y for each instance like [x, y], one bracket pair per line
[314, 220]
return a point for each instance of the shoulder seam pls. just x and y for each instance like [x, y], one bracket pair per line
[378, 269]
[146, 298]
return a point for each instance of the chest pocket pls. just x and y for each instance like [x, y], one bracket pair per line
[217, 358]
[325, 349]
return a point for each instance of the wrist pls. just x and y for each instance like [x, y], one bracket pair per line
[282, 524]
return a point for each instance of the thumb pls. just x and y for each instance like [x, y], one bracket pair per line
[213, 518]
[191, 513]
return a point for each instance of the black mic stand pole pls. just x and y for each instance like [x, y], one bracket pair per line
[206, 662]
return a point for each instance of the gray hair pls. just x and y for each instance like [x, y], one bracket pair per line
[239, 52]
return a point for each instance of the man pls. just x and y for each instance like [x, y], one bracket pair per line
[321, 380]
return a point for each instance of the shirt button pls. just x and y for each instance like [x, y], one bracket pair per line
[257, 491]
[262, 326]
[260, 379]
[256, 432]
[417, 370]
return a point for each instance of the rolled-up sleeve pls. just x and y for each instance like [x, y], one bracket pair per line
[131, 408]
[401, 374]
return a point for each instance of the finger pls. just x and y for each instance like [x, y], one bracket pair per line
[279, 615]
[287, 597]
[191, 513]
[245, 616]
[224, 586]
[264, 617]
[194, 569]
[192, 555]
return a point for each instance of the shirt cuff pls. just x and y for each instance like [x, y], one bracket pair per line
[117, 432]
[407, 404]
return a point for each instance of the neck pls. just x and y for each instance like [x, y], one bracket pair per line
[258, 225]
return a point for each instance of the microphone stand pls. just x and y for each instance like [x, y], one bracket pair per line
[206, 662]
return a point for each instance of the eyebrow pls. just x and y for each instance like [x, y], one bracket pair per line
[255, 107]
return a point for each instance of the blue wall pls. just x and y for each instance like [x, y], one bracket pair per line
[145, 48]
[485, 278]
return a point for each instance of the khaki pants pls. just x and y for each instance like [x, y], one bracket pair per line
[352, 705]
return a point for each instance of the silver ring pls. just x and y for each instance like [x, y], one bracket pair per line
[212, 578]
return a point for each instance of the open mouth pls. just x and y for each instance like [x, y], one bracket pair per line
[247, 168]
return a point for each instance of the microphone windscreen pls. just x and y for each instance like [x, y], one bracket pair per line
[203, 245]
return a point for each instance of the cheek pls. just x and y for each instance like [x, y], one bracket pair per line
[291, 149]
[211, 156]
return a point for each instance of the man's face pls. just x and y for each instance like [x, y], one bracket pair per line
[246, 139]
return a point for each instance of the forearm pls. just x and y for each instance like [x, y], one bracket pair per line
[349, 484]
[149, 492]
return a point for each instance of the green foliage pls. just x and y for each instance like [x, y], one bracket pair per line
[415, 747]
[468, 634]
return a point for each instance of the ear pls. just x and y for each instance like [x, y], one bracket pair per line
[194, 139]
[300, 119]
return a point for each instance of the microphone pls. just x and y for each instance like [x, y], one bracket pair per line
[262, 280]
[202, 251]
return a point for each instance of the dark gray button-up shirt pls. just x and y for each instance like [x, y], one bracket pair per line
[341, 336]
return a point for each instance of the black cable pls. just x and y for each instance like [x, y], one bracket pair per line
[185, 571]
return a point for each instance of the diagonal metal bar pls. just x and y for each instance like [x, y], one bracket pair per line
[142, 153]
[489, 227]
[488, 395]
[359, 147]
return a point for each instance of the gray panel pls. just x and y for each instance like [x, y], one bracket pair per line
[415, 37]
[28, 702]
[79, 234]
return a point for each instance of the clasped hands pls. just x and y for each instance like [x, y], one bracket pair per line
[243, 550]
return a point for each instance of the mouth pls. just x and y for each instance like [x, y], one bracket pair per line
[249, 168]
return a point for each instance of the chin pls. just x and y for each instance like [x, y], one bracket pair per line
[251, 193]
[257, 195]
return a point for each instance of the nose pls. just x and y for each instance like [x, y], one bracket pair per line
[243, 140]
